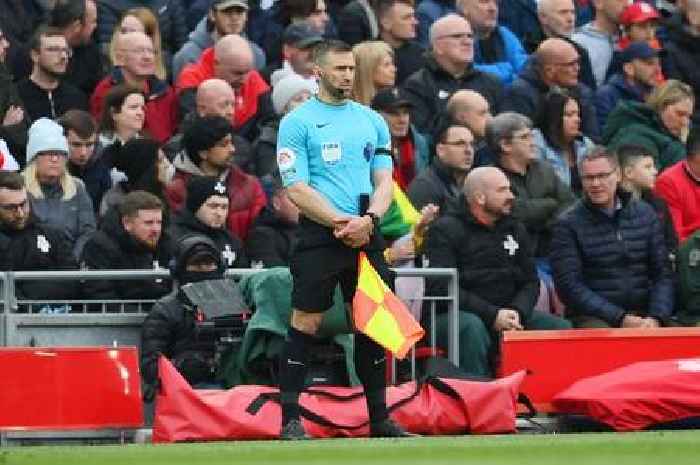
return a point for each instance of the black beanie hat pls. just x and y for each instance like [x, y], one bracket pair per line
[137, 158]
[200, 188]
[204, 133]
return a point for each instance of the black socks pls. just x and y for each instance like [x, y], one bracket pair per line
[370, 363]
[292, 371]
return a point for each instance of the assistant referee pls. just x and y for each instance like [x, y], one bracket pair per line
[333, 156]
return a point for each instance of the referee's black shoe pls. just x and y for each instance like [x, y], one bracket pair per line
[293, 431]
[388, 428]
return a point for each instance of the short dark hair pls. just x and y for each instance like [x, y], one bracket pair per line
[11, 181]
[596, 152]
[114, 99]
[43, 31]
[321, 51]
[203, 134]
[693, 144]
[78, 121]
[629, 154]
[384, 6]
[138, 200]
[66, 12]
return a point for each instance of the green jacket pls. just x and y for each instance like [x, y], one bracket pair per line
[268, 293]
[636, 123]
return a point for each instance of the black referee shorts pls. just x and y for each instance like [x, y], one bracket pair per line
[320, 262]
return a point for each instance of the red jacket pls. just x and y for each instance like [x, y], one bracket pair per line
[246, 97]
[246, 198]
[161, 105]
[682, 195]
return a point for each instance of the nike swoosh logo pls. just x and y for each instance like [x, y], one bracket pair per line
[378, 361]
[320, 126]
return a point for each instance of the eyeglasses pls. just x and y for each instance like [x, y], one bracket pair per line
[524, 136]
[56, 49]
[591, 178]
[458, 143]
[13, 207]
[458, 36]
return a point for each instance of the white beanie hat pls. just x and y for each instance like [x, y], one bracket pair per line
[45, 135]
[287, 88]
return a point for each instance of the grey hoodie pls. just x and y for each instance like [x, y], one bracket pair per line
[199, 40]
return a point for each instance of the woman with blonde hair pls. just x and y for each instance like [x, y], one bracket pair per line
[660, 125]
[140, 19]
[374, 70]
[57, 199]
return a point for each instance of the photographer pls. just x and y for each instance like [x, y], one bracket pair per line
[188, 332]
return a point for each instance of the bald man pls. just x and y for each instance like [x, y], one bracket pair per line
[555, 64]
[449, 67]
[231, 60]
[498, 284]
[137, 67]
[471, 109]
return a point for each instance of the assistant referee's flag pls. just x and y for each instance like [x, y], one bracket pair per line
[379, 314]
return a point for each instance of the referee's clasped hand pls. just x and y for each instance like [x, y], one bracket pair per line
[354, 232]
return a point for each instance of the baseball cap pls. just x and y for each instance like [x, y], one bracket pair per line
[219, 5]
[301, 35]
[390, 100]
[638, 51]
[638, 13]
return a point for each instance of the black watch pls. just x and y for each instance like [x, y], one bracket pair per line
[375, 218]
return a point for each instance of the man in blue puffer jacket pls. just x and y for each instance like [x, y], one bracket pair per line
[608, 255]
[496, 49]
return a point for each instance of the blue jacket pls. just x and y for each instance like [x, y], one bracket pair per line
[607, 266]
[609, 94]
[519, 16]
[426, 14]
[554, 156]
[512, 60]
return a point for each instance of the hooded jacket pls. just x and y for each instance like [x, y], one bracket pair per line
[201, 39]
[511, 55]
[608, 95]
[232, 253]
[495, 264]
[606, 266]
[429, 88]
[636, 123]
[271, 240]
[527, 94]
[113, 248]
[246, 196]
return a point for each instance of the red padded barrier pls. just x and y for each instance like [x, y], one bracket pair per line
[557, 359]
[50, 388]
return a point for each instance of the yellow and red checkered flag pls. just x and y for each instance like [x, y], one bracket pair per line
[379, 314]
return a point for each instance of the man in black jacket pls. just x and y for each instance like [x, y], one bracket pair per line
[205, 213]
[449, 67]
[397, 27]
[26, 245]
[443, 179]
[45, 92]
[130, 238]
[498, 285]
[274, 232]
[173, 326]
[608, 256]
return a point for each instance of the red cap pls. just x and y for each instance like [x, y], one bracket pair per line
[638, 13]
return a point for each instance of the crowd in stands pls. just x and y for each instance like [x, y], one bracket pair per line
[547, 146]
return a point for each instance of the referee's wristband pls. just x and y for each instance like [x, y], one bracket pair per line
[374, 217]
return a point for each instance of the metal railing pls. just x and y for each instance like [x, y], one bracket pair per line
[130, 313]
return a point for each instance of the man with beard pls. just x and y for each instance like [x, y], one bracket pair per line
[27, 245]
[45, 93]
[130, 238]
[498, 285]
[205, 213]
